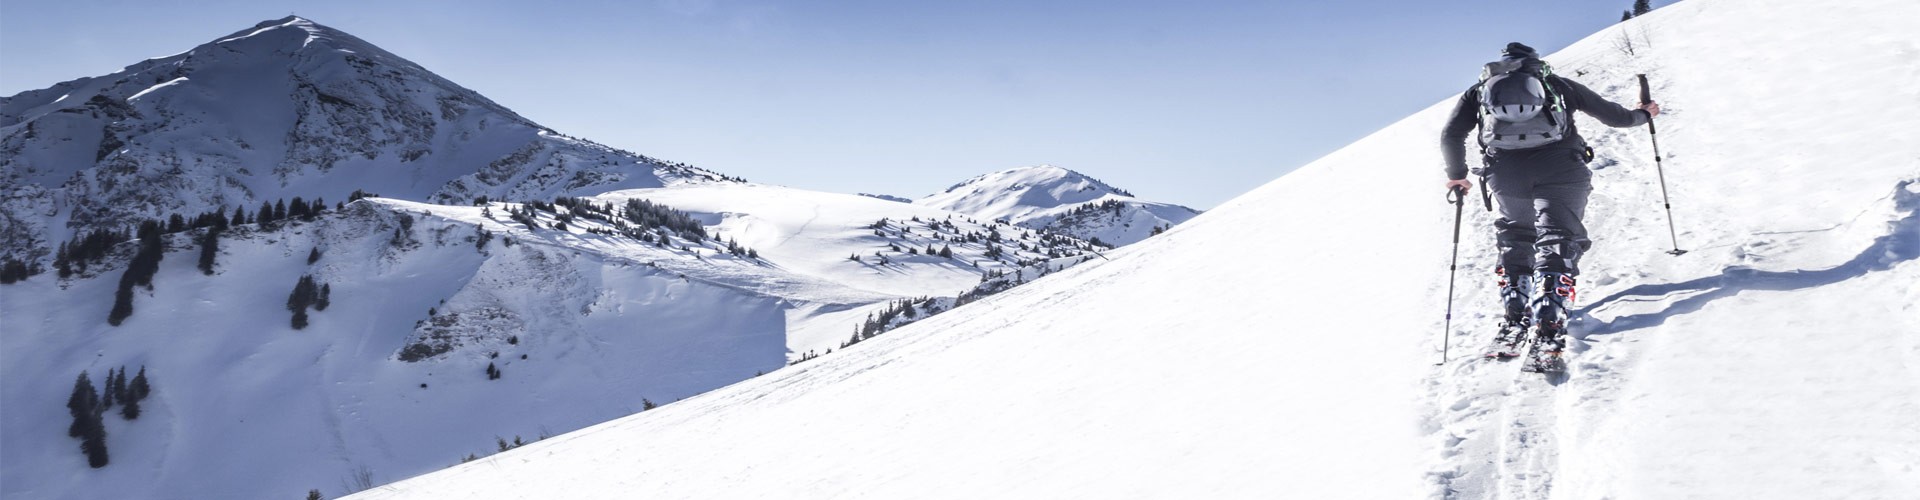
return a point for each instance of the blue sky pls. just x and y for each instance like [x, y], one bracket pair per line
[1187, 102]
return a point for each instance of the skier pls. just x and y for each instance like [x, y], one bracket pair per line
[1535, 165]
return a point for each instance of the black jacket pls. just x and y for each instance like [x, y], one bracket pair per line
[1466, 116]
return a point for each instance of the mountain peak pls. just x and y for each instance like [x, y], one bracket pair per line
[1042, 174]
[1050, 197]
[1038, 185]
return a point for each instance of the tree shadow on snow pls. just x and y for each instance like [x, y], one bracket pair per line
[1900, 244]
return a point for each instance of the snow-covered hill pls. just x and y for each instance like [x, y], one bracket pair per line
[587, 314]
[287, 108]
[1060, 200]
[1780, 358]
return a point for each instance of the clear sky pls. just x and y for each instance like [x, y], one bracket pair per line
[1185, 102]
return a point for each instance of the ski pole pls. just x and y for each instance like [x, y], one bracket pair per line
[1458, 197]
[1646, 96]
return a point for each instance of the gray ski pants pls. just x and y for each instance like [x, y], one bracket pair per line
[1542, 195]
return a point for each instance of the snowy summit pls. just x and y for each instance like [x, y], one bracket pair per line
[1062, 200]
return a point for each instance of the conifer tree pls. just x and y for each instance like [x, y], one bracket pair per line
[130, 409]
[1641, 7]
[314, 495]
[279, 210]
[84, 405]
[209, 249]
[109, 390]
[264, 214]
[63, 262]
[239, 216]
[298, 209]
[325, 299]
[139, 389]
[304, 294]
[122, 304]
[313, 255]
[121, 389]
[81, 403]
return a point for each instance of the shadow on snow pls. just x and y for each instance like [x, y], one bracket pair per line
[1900, 244]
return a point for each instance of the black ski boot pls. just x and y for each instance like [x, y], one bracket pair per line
[1513, 326]
[1550, 308]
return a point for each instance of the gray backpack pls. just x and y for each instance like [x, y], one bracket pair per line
[1518, 108]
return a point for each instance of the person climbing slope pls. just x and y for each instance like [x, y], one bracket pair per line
[1535, 166]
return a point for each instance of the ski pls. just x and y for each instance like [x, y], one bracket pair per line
[1544, 362]
[1545, 353]
[1509, 340]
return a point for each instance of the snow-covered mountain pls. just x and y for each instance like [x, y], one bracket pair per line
[510, 282]
[1780, 358]
[584, 310]
[1061, 200]
[287, 108]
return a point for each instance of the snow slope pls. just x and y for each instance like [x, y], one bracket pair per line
[1046, 197]
[283, 109]
[1779, 359]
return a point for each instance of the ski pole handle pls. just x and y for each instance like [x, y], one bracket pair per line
[1646, 96]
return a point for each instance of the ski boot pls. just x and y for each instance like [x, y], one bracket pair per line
[1513, 326]
[1550, 308]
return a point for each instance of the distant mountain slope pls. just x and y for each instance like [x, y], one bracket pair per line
[1776, 360]
[428, 301]
[286, 108]
[1049, 197]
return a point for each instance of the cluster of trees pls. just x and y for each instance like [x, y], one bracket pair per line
[87, 405]
[91, 247]
[1108, 205]
[641, 220]
[280, 210]
[880, 322]
[493, 373]
[146, 262]
[653, 215]
[1640, 7]
[86, 249]
[12, 270]
[308, 293]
